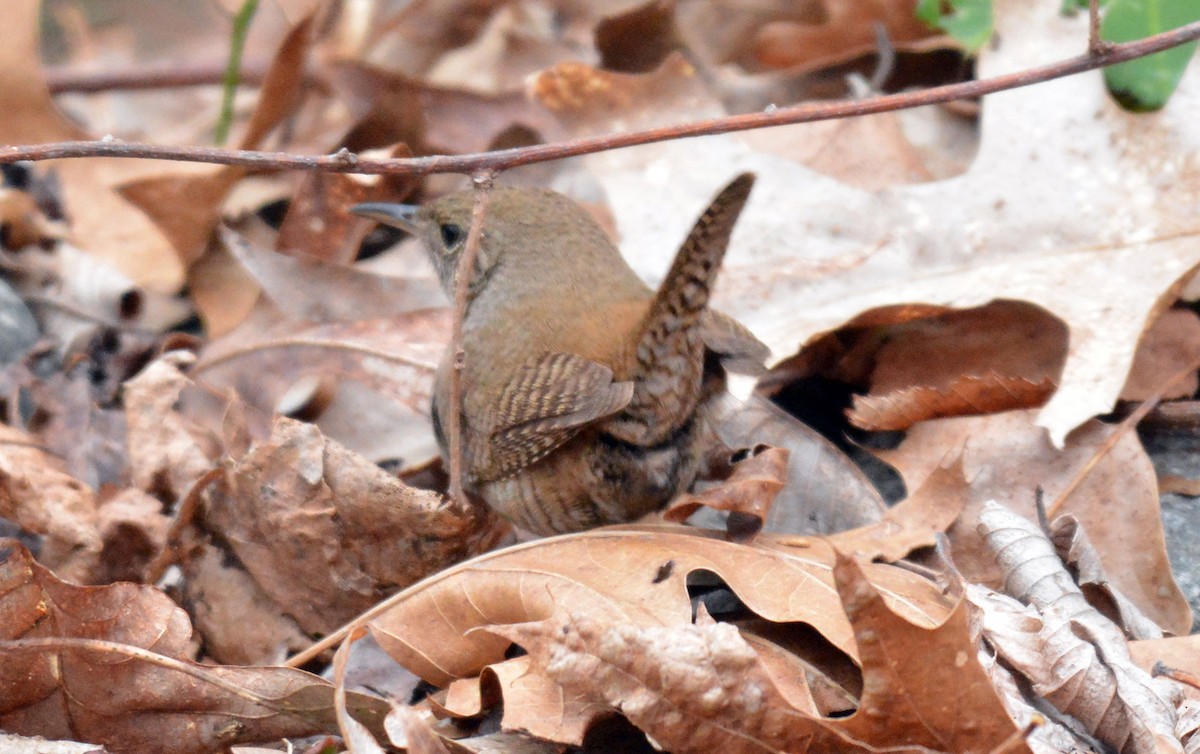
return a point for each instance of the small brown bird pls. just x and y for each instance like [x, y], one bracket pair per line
[583, 389]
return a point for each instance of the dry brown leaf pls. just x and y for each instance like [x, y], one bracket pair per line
[1182, 652]
[42, 499]
[313, 291]
[1002, 356]
[1169, 345]
[1076, 659]
[703, 687]
[747, 494]
[826, 492]
[165, 456]
[848, 29]
[640, 572]
[240, 623]
[639, 39]
[1007, 457]
[922, 686]
[300, 499]
[134, 529]
[912, 523]
[110, 665]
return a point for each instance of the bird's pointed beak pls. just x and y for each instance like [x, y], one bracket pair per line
[401, 216]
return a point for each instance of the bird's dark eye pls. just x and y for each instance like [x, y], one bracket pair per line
[451, 234]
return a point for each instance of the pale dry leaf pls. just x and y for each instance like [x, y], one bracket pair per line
[690, 688]
[41, 498]
[165, 456]
[300, 496]
[357, 737]
[1188, 725]
[638, 572]
[1080, 659]
[1032, 220]
[1007, 457]
[1077, 553]
[315, 291]
[408, 729]
[1051, 736]
[914, 522]
[13, 744]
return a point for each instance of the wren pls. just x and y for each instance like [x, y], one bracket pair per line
[583, 390]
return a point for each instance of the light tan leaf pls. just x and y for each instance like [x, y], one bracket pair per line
[1007, 457]
[640, 572]
[1167, 347]
[690, 688]
[912, 523]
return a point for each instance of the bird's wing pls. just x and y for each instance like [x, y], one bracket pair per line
[548, 400]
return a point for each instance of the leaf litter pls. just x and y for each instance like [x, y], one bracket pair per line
[223, 368]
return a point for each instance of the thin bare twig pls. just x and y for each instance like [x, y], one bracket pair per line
[1096, 45]
[462, 287]
[75, 80]
[1162, 670]
[332, 345]
[345, 162]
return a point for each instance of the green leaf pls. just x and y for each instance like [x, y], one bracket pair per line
[969, 22]
[1146, 84]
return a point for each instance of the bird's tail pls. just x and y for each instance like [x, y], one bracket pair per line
[669, 356]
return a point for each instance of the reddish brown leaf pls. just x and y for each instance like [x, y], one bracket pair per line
[110, 665]
[922, 686]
